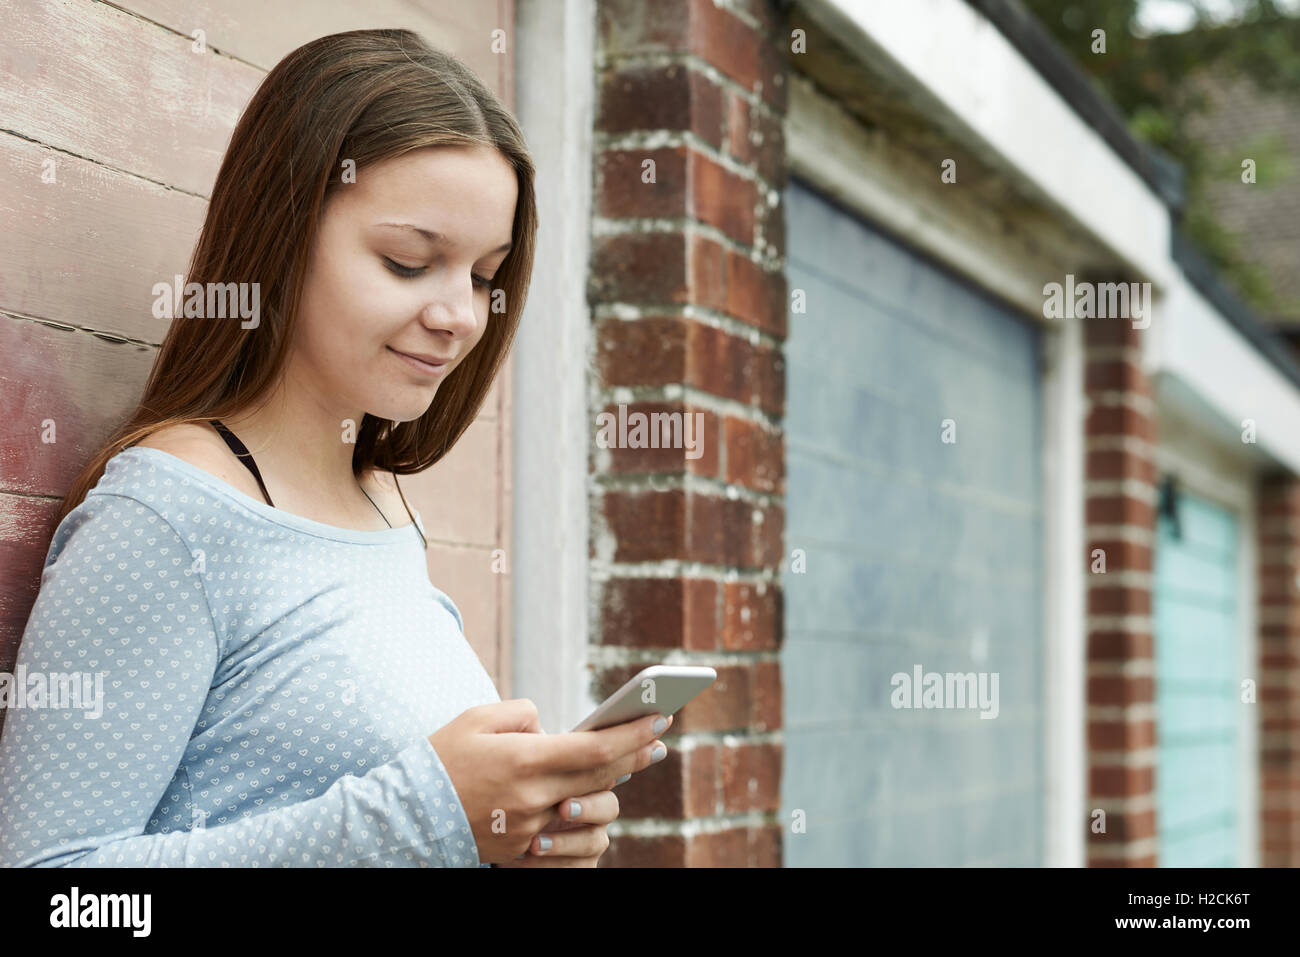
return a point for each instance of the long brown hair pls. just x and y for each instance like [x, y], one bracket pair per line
[365, 96]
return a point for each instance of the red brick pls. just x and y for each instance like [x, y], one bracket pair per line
[770, 381]
[726, 365]
[1119, 510]
[1117, 599]
[663, 350]
[751, 777]
[630, 27]
[1121, 735]
[767, 696]
[626, 851]
[1115, 375]
[1129, 826]
[1110, 332]
[673, 456]
[769, 537]
[1119, 690]
[755, 295]
[639, 267]
[765, 847]
[1119, 781]
[622, 191]
[658, 791]
[703, 781]
[722, 199]
[1114, 464]
[755, 456]
[727, 705]
[687, 526]
[729, 848]
[647, 525]
[669, 97]
[1120, 555]
[1120, 646]
[702, 29]
[751, 621]
[648, 351]
[1119, 420]
[708, 273]
[660, 613]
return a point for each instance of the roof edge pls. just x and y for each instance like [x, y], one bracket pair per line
[1032, 40]
[1205, 279]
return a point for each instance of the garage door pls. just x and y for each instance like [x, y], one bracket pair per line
[907, 551]
[1197, 698]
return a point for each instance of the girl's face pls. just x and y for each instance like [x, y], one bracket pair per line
[401, 264]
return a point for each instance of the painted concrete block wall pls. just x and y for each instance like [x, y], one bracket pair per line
[918, 552]
[133, 120]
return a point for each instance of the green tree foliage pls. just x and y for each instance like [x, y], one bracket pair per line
[1153, 81]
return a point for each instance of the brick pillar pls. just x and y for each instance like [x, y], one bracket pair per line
[1278, 686]
[1120, 491]
[688, 300]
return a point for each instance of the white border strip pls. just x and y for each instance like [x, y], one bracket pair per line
[1064, 576]
[555, 96]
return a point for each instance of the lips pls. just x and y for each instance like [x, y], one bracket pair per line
[432, 360]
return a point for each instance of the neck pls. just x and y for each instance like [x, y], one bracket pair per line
[299, 434]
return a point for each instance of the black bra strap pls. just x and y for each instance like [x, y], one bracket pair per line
[241, 450]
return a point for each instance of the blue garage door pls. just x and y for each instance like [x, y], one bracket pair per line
[1198, 710]
[905, 550]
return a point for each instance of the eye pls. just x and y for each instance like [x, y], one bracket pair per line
[410, 272]
[405, 272]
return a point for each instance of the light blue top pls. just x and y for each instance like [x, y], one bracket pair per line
[269, 684]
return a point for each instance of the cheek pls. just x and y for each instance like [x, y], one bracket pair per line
[347, 303]
[485, 318]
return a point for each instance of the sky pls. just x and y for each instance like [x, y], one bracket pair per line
[1174, 16]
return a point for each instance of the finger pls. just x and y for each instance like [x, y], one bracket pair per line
[607, 777]
[587, 750]
[598, 807]
[589, 841]
[559, 784]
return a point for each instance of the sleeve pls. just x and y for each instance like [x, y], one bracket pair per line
[445, 600]
[120, 606]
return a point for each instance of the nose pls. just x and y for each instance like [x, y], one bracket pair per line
[452, 308]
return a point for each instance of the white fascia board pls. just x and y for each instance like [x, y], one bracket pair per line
[1196, 345]
[961, 59]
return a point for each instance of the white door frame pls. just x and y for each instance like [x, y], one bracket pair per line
[555, 93]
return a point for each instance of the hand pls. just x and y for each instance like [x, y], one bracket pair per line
[510, 777]
[576, 840]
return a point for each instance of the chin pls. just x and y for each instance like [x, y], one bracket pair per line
[401, 411]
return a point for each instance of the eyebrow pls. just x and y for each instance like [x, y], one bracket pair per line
[438, 238]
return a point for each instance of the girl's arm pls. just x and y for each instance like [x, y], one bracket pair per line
[119, 599]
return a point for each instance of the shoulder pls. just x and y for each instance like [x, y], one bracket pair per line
[202, 447]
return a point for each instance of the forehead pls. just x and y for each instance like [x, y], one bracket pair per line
[466, 192]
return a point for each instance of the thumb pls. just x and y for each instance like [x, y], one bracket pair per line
[514, 715]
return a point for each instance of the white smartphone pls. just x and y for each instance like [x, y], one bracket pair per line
[659, 689]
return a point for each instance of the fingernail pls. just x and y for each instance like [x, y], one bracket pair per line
[624, 778]
[575, 809]
[660, 724]
[545, 842]
[658, 754]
